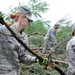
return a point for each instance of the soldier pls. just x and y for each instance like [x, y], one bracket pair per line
[12, 53]
[50, 38]
[70, 53]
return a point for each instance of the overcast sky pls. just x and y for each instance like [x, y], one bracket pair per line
[58, 8]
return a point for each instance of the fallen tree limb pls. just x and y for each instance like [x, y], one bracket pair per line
[59, 61]
[25, 46]
[35, 33]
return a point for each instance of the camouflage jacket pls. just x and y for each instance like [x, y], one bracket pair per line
[12, 53]
[70, 55]
[51, 36]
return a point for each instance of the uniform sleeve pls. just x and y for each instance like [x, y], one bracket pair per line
[25, 57]
[48, 34]
[24, 54]
[1, 37]
[53, 37]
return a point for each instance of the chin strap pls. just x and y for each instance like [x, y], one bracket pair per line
[24, 45]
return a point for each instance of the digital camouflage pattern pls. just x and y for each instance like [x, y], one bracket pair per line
[50, 39]
[12, 53]
[70, 55]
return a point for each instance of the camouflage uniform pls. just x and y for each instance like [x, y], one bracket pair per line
[70, 55]
[12, 53]
[50, 39]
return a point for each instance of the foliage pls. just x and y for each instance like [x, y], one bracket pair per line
[36, 41]
[37, 26]
[36, 69]
[37, 7]
[66, 20]
[63, 36]
[1, 15]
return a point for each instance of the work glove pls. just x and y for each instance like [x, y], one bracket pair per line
[43, 63]
[37, 60]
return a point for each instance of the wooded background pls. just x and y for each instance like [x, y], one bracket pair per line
[36, 32]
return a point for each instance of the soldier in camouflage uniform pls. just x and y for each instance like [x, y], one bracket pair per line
[12, 53]
[50, 38]
[70, 53]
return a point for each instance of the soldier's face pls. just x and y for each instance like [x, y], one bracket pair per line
[56, 27]
[24, 22]
[73, 33]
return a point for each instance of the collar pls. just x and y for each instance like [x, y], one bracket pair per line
[20, 35]
[13, 27]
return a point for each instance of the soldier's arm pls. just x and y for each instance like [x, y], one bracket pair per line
[24, 56]
[53, 37]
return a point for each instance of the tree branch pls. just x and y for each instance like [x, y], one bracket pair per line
[24, 45]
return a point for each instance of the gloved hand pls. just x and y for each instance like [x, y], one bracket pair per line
[45, 61]
[37, 60]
